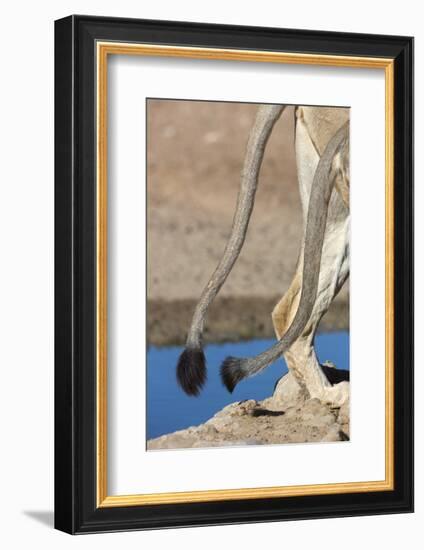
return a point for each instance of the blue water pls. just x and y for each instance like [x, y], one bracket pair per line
[170, 409]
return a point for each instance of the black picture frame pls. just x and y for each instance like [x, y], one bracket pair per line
[76, 509]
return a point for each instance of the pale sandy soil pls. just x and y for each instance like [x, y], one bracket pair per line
[289, 416]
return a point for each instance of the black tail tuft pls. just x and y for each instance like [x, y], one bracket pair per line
[191, 371]
[232, 372]
[334, 376]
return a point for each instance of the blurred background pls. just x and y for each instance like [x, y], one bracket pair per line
[195, 152]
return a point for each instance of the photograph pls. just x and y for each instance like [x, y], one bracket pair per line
[247, 329]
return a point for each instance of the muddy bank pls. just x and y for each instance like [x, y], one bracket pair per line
[231, 319]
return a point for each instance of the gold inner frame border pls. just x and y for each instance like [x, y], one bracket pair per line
[103, 50]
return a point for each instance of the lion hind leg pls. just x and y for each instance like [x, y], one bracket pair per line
[300, 358]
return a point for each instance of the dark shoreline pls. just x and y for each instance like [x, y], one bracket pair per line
[230, 319]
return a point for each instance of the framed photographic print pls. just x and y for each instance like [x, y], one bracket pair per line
[234, 269]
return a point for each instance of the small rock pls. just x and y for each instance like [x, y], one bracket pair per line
[333, 434]
[288, 392]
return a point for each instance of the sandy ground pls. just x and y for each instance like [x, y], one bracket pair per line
[195, 154]
[289, 416]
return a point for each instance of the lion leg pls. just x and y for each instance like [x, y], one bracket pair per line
[301, 357]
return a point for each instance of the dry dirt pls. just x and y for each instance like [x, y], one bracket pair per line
[286, 417]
